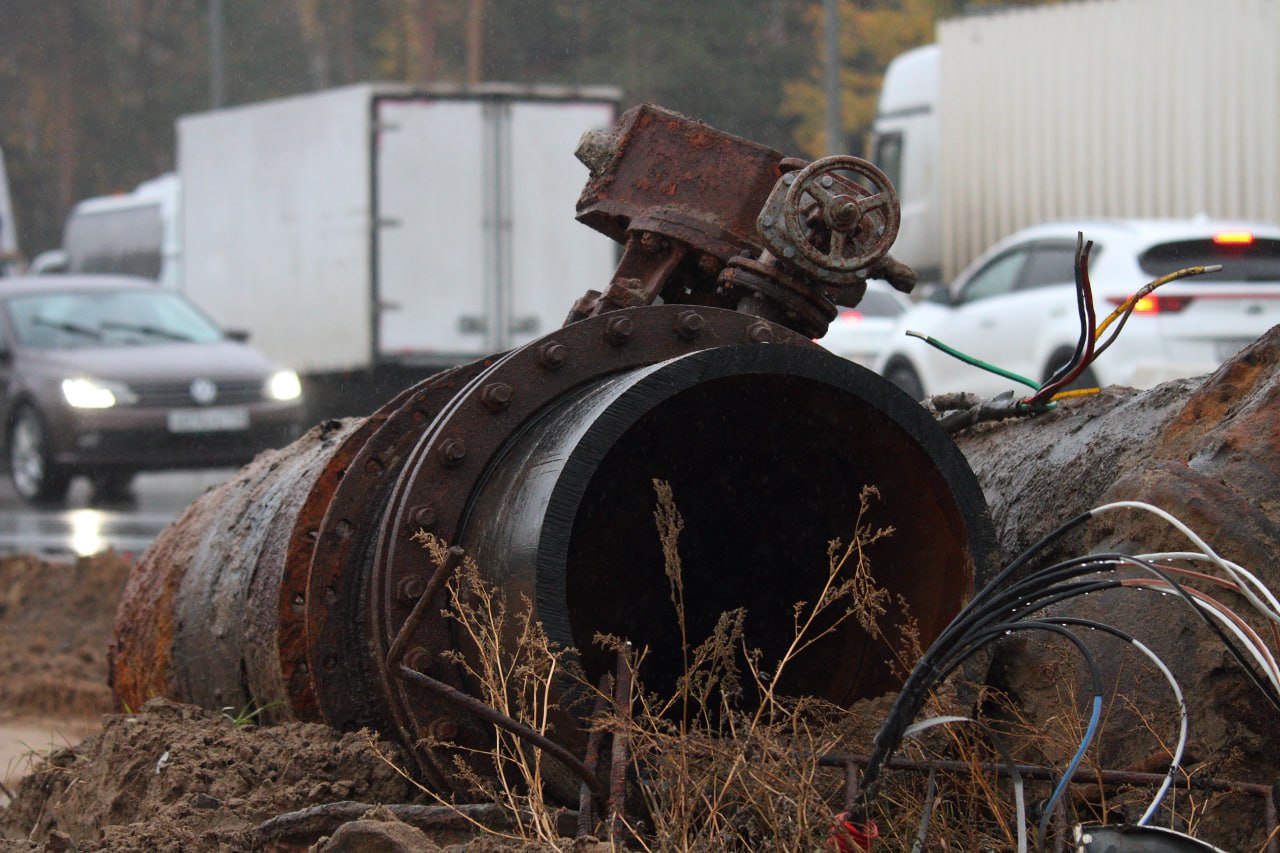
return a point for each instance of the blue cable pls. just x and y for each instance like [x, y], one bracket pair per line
[1071, 768]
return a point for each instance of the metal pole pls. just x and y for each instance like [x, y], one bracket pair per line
[834, 142]
[216, 96]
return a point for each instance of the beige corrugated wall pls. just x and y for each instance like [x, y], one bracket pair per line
[1107, 108]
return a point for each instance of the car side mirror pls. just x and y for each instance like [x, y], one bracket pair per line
[241, 335]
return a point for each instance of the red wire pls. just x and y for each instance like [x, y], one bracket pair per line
[848, 837]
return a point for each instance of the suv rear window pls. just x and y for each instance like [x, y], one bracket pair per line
[1256, 261]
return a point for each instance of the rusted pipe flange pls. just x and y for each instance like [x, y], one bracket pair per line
[291, 642]
[332, 585]
[798, 305]
[456, 452]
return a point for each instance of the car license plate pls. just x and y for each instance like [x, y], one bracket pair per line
[1228, 347]
[224, 419]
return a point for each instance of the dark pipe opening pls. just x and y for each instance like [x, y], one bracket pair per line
[765, 470]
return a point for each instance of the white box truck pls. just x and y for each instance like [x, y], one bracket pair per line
[378, 231]
[1101, 108]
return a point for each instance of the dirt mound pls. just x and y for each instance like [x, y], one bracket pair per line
[175, 777]
[172, 777]
[55, 623]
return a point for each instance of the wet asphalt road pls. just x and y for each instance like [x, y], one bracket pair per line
[81, 527]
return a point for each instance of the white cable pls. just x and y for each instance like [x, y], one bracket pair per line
[1196, 556]
[1272, 613]
[1261, 655]
[1182, 733]
[1020, 810]
[916, 728]
[1019, 796]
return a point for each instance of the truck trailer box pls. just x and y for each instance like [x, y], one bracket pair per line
[379, 224]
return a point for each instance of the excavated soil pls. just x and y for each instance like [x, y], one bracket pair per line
[166, 777]
[54, 621]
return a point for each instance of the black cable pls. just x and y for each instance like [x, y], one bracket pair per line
[1084, 327]
[928, 671]
[1033, 549]
[871, 772]
[915, 689]
[971, 630]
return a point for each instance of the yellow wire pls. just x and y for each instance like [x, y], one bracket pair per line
[1147, 288]
[1079, 392]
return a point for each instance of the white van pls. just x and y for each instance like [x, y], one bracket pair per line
[129, 234]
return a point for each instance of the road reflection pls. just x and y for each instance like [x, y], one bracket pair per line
[80, 529]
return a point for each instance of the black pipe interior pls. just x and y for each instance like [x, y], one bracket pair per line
[765, 470]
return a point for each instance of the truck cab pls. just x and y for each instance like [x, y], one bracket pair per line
[132, 233]
[904, 144]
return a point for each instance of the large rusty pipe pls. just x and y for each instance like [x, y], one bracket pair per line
[287, 586]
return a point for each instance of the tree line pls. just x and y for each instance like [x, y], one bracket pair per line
[90, 89]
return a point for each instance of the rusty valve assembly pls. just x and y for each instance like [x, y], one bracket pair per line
[711, 219]
[300, 586]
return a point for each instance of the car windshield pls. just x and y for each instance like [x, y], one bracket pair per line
[74, 319]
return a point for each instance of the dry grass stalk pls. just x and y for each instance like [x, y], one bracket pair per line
[728, 762]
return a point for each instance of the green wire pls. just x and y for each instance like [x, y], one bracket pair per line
[976, 362]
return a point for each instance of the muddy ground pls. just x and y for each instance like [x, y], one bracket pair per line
[166, 777]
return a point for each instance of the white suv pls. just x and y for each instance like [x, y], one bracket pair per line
[1015, 306]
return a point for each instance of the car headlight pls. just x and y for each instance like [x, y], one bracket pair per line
[284, 385]
[85, 393]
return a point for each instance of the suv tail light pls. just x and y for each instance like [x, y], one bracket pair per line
[1154, 303]
[1233, 238]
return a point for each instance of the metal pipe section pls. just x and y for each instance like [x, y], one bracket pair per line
[287, 587]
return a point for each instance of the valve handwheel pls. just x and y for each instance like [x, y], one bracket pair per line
[862, 223]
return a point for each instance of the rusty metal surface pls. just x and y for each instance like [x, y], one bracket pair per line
[681, 178]
[334, 590]
[708, 218]
[198, 616]
[821, 221]
[291, 636]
